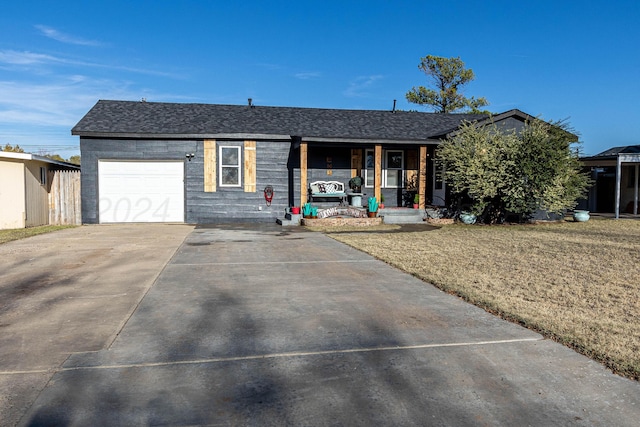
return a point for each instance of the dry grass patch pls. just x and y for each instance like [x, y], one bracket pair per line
[577, 283]
[21, 233]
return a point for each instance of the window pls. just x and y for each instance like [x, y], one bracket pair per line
[43, 175]
[392, 168]
[369, 171]
[229, 166]
[392, 174]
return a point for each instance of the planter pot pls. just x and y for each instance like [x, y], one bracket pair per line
[416, 206]
[372, 214]
[581, 216]
[468, 218]
[381, 206]
[295, 210]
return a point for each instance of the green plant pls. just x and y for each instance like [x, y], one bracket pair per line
[381, 198]
[373, 204]
[509, 172]
[314, 211]
[306, 209]
[416, 199]
[355, 182]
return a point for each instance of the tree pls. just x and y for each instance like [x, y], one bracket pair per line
[448, 76]
[57, 157]
[10, 148]
[514, 172]
[75, 159]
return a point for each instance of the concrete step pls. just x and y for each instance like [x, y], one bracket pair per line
[289, 219]
[287, 222]
[402, 215]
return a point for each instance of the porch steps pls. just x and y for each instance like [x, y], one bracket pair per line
[402, 215]
[289, 220]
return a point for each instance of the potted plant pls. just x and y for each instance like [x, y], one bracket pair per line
[295, 210]
[381, 204]
[355, 184]
[416, 201]
[373, 207]
[306, 210]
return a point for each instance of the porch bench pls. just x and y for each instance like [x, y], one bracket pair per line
[327, 190]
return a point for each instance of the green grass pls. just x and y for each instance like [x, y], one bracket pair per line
[21, 233]
[576, 283]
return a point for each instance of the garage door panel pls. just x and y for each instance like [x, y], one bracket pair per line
[141, 191]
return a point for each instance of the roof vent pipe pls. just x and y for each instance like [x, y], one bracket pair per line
[250, 102]
[394, 106]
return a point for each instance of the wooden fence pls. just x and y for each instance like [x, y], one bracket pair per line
[64, 198]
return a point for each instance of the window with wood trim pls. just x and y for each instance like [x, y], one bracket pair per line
[229, 168]
[392, 168]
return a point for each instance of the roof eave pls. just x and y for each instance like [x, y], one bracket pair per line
[369, 140]
[136, 135]
[35, 157]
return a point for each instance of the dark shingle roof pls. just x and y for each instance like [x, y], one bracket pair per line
[612, 153]
[152, 119]
[631, 149]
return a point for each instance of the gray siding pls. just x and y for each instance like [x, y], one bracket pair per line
[321, 160]
[234, 204]
[93, 150]
[510, 124]
[273, 159]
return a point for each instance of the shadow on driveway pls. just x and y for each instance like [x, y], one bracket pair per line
[261, 326]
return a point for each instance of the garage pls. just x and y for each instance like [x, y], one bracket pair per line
[141, 191]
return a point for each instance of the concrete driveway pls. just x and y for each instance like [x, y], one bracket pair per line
[262, 325]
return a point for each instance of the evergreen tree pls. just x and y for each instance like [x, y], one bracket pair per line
[448, 75]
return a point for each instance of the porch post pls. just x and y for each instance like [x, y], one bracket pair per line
[303, 173]
[635, 194]
[618, 177]
[377, 181]
[422, 176]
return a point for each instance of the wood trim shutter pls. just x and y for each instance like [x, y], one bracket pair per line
[422, 176]
[250, 166]
[209, 165]
[377, 181]
[356, 162]
[303, 172]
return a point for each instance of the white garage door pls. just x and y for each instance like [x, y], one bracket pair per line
[141, 191]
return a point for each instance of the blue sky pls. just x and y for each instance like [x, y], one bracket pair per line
[575, 60]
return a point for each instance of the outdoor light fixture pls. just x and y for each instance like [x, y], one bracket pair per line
[190, 156]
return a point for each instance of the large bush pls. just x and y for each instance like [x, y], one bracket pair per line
[509, 172]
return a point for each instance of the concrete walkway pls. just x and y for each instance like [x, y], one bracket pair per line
[260, 325]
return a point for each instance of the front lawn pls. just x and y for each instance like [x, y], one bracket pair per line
[577, 283]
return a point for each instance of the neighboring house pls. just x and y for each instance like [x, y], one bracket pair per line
[615, 176]
[204, 163]
[25, 183]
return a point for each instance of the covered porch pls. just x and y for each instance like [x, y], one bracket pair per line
[393, 173]
[615, 174]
